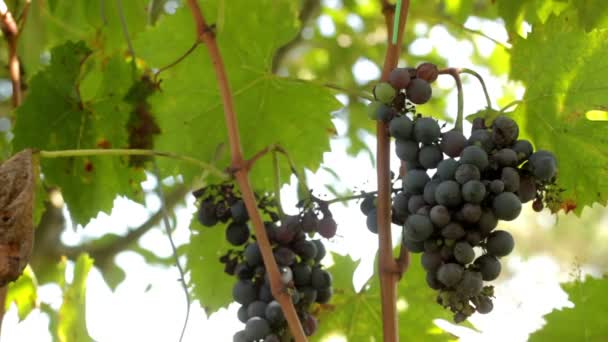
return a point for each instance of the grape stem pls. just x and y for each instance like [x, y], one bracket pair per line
[480, 79]
[177, 61]
[238, 163]
[509, 105]
[455, 73]
[132, 152]
[388, 268]
[352, 92]
[277, 183]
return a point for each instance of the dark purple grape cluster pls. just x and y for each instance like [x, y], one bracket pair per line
[451, 217]
[297, 256]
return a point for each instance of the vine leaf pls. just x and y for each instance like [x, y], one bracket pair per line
[71, 325]
[17, 183]
[23, 292]
[583, 322]
[209, 284]
[270, 109]
[57, 116]
[357, 315]
[565, 70]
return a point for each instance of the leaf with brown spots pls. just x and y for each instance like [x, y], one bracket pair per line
[17, 184]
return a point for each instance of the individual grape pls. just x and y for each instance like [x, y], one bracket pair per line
[489, 266]
[237, 233]
[401, 127]
[372, 221]
[427, 71]
[463, 252]
[256, 308]
[429, 191]
[384, 92]
[432, 281]
[497, 186]
[440, 216]
[431, 261]
[244, 292]
[506, 157]
[527, 189]
[450, 274]
[448, 194]
[265, 293]
[309, 222]
[430, 156]
[400, 203]
[467, 172]
[453, 231]
[240, 336]
[471, 283]
[321, 251]
[487, 222]
[483, 305]
[446, 252]
[504, 131]
[274, 314]
[418, 227]
[411, 164]
[284, 256]
[481, 138]
[510, 177]
[368, 203]
[416, 202]
[415, 180]
[406, 150]
[426, 130]
[452, 143]
[206, 213]
[309, 294]
[413, 246]
[537, 205]
[327, 227]
[288, 229]
[543, 167]
[447, 168]
[507, 206]
[473, 191]
[399, 78]
[253, 255]
[424, 210]
[474, 155]
[320, 278]
[500, 243]
[459, 317]
[523, 149]
[272, 338]
[243, 271]
[471, 212]
[373, 108]
[478, 123]
[238, 212]
[305, 249]
[473, 237]
[309, 324]
[302, 274]
[242, 314]
[419, 91]
[256, 328]
[431, 246]
[324, 295]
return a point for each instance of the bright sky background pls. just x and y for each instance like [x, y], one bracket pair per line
[132, 313]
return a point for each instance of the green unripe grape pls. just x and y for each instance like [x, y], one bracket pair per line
[384, 92]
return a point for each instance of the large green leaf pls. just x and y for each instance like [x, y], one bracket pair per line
[71, 325]
[209, 284]
[565, 71]
[586, 321]
[269, 109]
[24, 293]
[358, 316]
[57, 116]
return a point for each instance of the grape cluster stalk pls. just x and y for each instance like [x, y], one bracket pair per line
[298, 257]
[452, 217]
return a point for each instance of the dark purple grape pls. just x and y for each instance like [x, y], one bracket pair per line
[483, 305]
[243, 271]
[487, 222]
[320, 279]
[446, 252]
[473, 237]
[274, 314]
[418, 227]
[327, 227]
[446, 169]
[506, 157]
[240, 336]
[284, 256]
[543, 165]
[537, 205]
[399, 78]
[321, 251]
[452, 143]
[302, 274]
[500, 243]
[471, 284]
[440, 216]
[413, 246]
[471, 213]
[238, 211]
[324, 295]
[478, 123]
[237, 233]
[430, 156]
[426, 130]
[401, 127]
[504, 131]
[265, 293]
[527, 189]
[523, 149]
[432, 281]
[424, 210]
[466, 173]
[450, 274]
[431, 261]
[473, 191]
[419, 91]
[253, 255]
[406, 150]
[309, 221]
[453, 231]
[305, 249]
[206, 214]
[474, 155]
[400, 203]
[464, 253]
[427, 71]
[489, 266]
[309, 324]
[257, 328]
[244, 292]
[372, 221]
[510, 177]
[415, 203]
[272, 338]
[507, 206]
[448, 194]
[497, 186]
[256, 309]
[481, 138]
[415, 180]
[431, 246]
[242, 314]
[429, 191]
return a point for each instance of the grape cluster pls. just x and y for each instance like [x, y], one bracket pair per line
[451, 217]
[297, 256]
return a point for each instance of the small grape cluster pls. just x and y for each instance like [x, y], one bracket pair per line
[297, 256]
[453, 214]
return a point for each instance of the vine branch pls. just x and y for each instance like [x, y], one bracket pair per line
[206, 35]
[455, 73]
[387, 266]
[480, 79]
